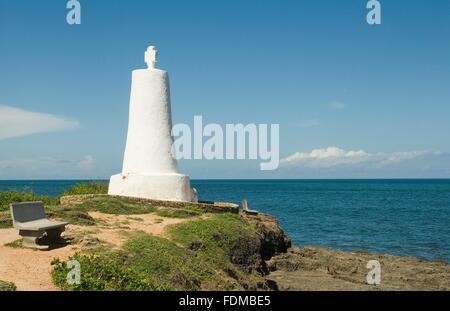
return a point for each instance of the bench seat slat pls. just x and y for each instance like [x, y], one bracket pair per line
[39, 225]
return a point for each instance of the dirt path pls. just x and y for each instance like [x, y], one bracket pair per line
[111, 227]
[30, 269]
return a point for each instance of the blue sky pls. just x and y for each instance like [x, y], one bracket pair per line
[334, 83]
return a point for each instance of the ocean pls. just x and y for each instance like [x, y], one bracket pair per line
[398, 217]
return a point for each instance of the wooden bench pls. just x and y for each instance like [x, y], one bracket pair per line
[33, 225]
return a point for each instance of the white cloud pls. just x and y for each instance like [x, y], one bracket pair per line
[334, 157]
[87, 163]
[15, 122]
[337, 105]
[310, 123]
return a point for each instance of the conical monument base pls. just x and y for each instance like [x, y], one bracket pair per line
[165, 187]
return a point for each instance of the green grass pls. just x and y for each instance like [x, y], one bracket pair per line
[216, 238]
[74, 215]
[87, 188]
[6, 198]
[166, 262]
[145, 263]
[15, 244]
[5, 220]
[78, 213]
[221, 230]
[177, 213]
[197, 255]
[103, 274]
[116, 206]
[7, 286]
[126, 206]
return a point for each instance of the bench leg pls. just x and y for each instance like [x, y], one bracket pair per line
[31, 239]
[54, 235]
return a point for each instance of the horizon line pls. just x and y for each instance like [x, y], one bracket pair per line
[245, 179]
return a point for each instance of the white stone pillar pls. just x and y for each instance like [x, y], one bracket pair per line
[149, 170]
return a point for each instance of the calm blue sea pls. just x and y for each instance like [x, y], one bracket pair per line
[400, 217]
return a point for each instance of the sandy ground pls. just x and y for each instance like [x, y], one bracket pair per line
[30, 269]
[111, 227]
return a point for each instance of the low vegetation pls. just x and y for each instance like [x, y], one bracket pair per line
[114, 205]
[71, 214]
[102, 273]
[87, 188]
[177, 213]
[15, 244]
[6, 198]
[5, 220]
[7, 286]
[195, 255]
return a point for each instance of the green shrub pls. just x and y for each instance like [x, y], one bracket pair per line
[87, 188]
[227, 241]
[15, 244]
[146, 262]
[5, 220]
[7, 286]
[219, 232]
[6, 198]
[103, 274]
[166, 262]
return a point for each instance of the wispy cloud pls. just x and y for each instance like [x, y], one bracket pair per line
[87, 163]
[310, 123]
[15, 122]
[337, 105]
[48, 168]
[334, 157]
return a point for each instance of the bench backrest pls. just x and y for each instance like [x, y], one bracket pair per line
[27, 211]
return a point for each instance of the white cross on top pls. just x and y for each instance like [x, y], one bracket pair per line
[151, 56]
